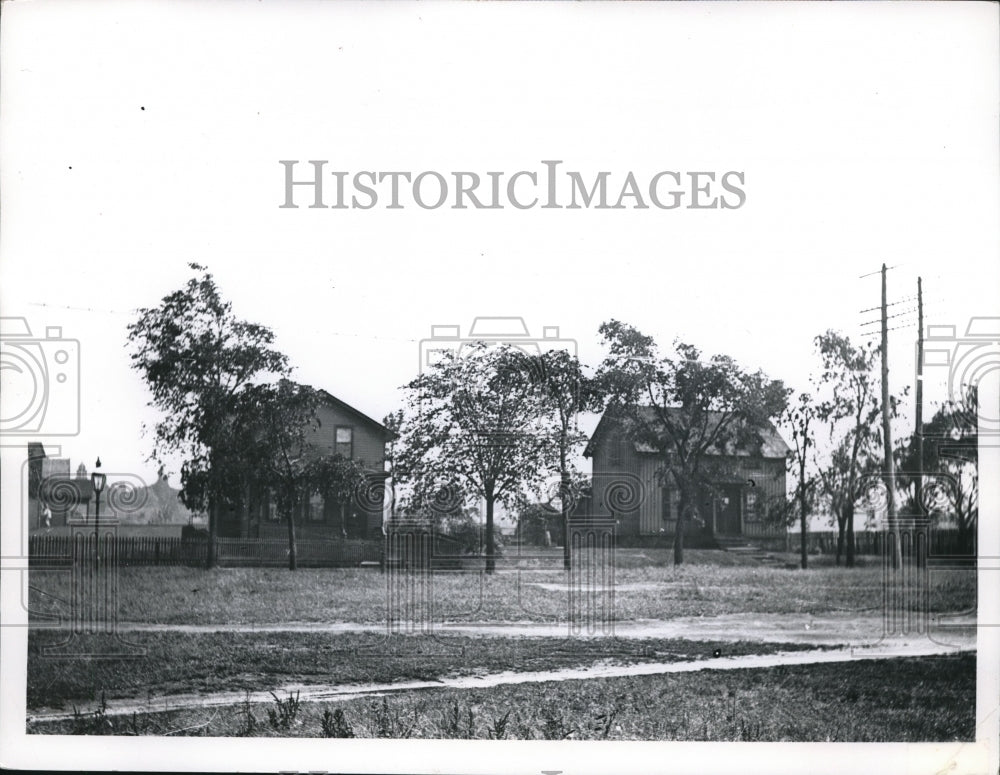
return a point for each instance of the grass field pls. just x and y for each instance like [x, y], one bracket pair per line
[863, 701]
[221, 662]
[901, 699]
[648, 586]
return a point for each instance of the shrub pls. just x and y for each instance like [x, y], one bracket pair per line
[498, 729]
[387, 722]
[336, 724]
[282, 716]
[248, 723]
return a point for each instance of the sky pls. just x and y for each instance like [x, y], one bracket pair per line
[136, 141]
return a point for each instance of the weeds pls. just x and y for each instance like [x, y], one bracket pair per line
[248, 723]
[336, 724]
[498, 729]
[283, 715]
[100, 722]
[750, 731]
[452, 723]
[388, 722]
[94, 723]
[604, 722]
[555, 725]
[834, 702]
[141, 725]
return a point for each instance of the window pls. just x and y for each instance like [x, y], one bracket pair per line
[666, 504]
[344, 441]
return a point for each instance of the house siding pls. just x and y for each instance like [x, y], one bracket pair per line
[631, 480]
[369, 441]
[619, 481]
[358, 517]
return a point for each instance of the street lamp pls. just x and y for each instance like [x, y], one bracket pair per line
[97, 479]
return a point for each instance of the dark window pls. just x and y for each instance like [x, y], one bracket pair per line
[666, 504]
[343, 441]
[750, 514]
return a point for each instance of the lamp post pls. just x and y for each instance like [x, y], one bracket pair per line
[97, 479]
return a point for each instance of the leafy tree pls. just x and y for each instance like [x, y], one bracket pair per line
[196, 356]
[393, 423]
[478, 421]
[685, 407]
[951, 463]
[800, 418]
[272, 424]
[852, 410]
[566, 392]
[535, 519]
[842, 484]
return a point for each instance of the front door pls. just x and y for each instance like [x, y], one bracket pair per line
[727, 510]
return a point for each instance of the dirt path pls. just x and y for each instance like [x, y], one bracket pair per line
[829, 629]
[602, 669]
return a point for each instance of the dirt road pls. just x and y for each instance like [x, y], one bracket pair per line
[829, 629]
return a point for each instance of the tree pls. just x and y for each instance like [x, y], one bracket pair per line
[272, 425]
[951, 461]
[800, 418]
[534, 520]
[566, 392]
[478, 420]
[685, 407]
[393, 423]
[196, 356]
[852, 410]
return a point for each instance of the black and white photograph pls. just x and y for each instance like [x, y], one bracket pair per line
[500, 387]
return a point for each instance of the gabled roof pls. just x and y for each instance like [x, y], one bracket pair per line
[344, 406]
[772, 445]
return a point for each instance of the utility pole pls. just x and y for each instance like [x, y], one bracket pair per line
[919, 482]
[890, 495]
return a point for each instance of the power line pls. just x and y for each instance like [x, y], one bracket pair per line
[909, 311]
[870, 334]
[901, 301]
[878, 271]
[890, 304]
[83, 309]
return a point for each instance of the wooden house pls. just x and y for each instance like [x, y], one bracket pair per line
[628, 484]
[341, 429]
